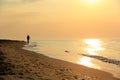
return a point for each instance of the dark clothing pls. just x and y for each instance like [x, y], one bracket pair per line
[28, 38]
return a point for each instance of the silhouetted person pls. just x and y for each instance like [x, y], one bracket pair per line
[28, 38]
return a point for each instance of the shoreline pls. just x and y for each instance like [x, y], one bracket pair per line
[20, 64]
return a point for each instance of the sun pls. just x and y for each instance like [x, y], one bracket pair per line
[91, 1]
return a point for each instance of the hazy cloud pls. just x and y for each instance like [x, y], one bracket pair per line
[30, 0]
[15, 2]
[65, 18]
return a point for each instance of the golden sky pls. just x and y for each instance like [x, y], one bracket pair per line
[59, 19]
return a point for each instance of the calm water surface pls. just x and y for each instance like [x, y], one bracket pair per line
[94, 53]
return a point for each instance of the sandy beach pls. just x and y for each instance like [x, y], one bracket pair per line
[19, 64]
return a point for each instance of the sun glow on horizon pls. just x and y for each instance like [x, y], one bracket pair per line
[91, 1]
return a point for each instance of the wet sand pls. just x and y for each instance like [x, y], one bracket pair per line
[19, 64]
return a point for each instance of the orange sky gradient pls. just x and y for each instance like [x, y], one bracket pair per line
[59, 19]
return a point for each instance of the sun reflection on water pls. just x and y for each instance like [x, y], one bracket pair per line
[86, 62]
[92, 47]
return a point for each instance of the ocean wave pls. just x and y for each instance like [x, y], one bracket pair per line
[104, 59]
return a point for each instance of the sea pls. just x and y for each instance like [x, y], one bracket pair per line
[102, 54]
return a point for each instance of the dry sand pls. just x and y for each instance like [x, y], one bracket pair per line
[19, 64]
